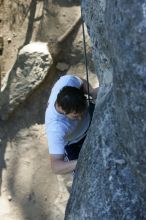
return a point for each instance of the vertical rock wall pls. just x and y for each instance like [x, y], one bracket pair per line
[111, 173]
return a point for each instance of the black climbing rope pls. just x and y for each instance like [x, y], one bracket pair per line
[85, 58]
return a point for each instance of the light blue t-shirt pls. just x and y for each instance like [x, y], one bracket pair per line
[60, 129]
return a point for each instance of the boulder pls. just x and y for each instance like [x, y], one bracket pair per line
[29, 71]
[110, 177]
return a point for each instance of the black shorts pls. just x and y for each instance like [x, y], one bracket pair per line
[72, 151]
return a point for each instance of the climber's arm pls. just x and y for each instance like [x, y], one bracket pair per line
[59, 166]
[92, 91]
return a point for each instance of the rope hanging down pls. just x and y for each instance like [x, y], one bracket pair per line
[85, 58]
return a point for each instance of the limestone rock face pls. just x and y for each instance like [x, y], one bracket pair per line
[30, 69]
[111, 172]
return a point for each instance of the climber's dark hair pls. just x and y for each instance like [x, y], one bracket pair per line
[71, 99]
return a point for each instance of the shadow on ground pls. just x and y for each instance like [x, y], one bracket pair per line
[30, 181]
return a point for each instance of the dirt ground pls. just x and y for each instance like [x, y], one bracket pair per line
[29, 190]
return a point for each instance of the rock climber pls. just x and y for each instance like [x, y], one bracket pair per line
[67, 119]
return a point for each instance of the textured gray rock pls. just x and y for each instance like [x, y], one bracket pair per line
[31, 67]
[111, 173]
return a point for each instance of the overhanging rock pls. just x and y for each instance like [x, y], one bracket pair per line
[31, 67]
[110, 177]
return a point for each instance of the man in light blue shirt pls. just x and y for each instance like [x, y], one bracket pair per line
[67, 120]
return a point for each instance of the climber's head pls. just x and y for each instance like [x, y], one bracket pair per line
[72, 102]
